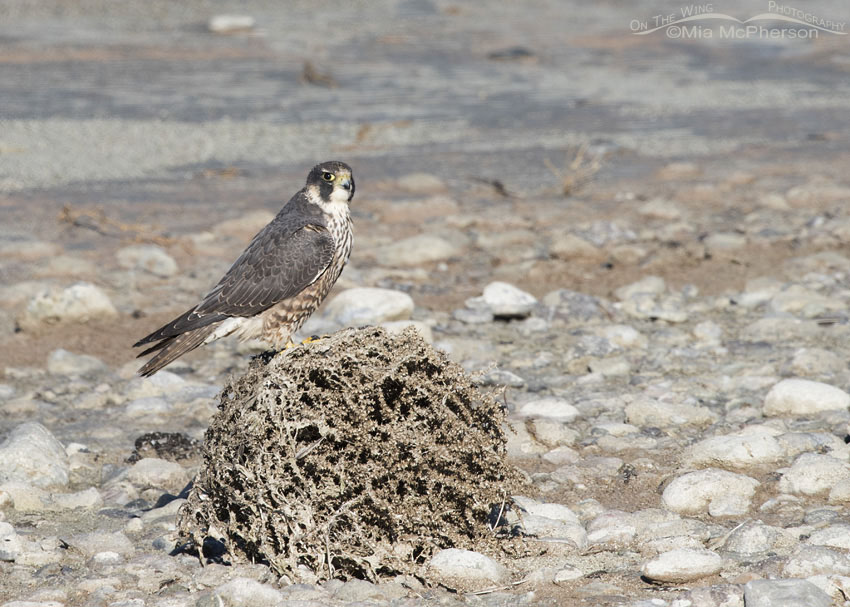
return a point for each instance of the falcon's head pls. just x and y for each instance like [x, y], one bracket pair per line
[332, 181]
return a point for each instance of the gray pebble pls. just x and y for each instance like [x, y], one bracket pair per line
[31, 454]
[368, 306]
[78, 303]
[62, 362]
[466, 566]
[506, 300]
[149, 258]
[10, 542]
[718, 492]
[246, 592]
[804, 397]
[814, 473]
[784, 593]
[683, 565]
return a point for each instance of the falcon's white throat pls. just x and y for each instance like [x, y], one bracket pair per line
[336, 207]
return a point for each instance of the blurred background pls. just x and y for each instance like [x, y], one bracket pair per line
[546, 143]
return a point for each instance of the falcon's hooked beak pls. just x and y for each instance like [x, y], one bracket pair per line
[347, 184]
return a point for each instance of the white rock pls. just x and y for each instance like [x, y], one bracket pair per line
[148, 406]
[504, 299]
[624, 336]
[561, 456]
[148, 258]
[784, 593]
[520, 444]
[719, 492]
[421, 183]
[24, 497]
[159, 473]
[840, 492]
[551, 408]
[758, 291]
[87, 498]
[590, 468]
[754, 539]
[795, 443]
[613, 528]
[466, 565]
[417, 250]
[613, 366]
[670, 308]
[646, 412]
[78, 303]
[659, 208]
[717, 595]
[226, 24]
[62, 362]
[570, 246]
[368, 306]
[545, 527]
[682, 565]
[102, 541]
[394, 327]
[808, 560]
[804, 397]
[10, 543]
[817, 361]
[834, 536]
[552, 432]
[245, 592]
[814, 473]
[780, 329]
[162, 383]
[557, 512]
[169, 511]
[731, 451]
[659, 524]
[31, 454]
[708, 332]
[724, 241]
[568, 573]
[359, 591]
[651, 285]
[804, 302]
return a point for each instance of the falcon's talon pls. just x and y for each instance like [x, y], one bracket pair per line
[313, 339]
[278, 281]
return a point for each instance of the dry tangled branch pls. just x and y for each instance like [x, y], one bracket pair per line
[98, 221]
[359, 455]
[577, 172]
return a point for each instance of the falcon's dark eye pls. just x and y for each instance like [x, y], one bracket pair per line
[328, 176]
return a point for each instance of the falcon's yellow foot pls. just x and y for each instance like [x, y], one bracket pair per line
[313, 338]
[289, 344]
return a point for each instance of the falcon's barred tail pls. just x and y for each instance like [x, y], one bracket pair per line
[172, 348]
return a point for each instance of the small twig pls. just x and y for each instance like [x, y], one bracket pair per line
[497, 185]
[309, 448]
[501, 511]
[310, 75]
[722, 540]
[497, 588]
[97, 221]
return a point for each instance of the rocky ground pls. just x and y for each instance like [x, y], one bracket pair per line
[667, 313]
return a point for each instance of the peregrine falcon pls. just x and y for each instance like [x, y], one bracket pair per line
[278, 281]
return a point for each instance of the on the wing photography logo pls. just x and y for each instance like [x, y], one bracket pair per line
[701, 21]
